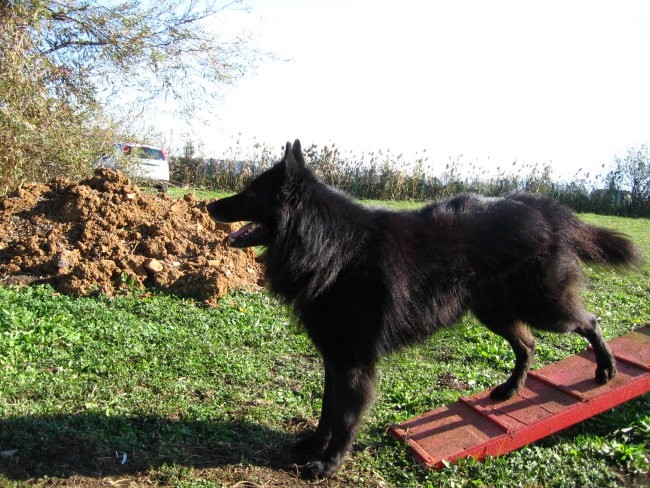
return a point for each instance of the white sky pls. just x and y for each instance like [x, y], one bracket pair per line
[561, 82]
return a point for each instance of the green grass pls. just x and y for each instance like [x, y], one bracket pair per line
[211, 397]
[199, 193]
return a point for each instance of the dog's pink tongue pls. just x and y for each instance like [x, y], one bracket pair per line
[240, 231]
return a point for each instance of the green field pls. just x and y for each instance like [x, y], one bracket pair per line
[199, 397]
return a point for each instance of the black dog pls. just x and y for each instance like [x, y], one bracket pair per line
[366, 282]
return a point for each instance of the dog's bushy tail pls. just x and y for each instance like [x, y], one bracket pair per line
[591, 244]
[603, 246]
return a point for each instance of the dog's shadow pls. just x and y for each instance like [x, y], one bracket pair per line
[96, 445]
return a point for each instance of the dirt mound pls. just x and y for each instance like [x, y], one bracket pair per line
[105, 235]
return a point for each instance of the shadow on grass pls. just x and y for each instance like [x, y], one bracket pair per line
[94, 445]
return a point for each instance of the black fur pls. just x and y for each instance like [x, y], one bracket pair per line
[366, 282]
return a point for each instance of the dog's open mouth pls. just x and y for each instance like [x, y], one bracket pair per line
[251, 234]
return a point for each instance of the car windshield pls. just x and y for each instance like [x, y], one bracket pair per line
[145, 152]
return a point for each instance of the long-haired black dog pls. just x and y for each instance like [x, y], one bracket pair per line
[365, 282]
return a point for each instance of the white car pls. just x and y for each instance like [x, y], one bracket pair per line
[139, 161]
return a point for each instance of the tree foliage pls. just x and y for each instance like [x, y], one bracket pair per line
[631, 175]
[64, 62]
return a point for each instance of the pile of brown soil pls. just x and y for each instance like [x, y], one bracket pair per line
[105, 235]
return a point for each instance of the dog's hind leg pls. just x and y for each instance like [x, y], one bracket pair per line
[570, 316]
[353, 390]
[523, 345]
[605, 366]
[558, 307]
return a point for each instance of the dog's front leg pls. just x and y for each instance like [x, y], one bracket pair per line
[312, 445]
[353, 390]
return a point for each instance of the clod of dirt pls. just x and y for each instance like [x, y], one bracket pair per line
[104, 235]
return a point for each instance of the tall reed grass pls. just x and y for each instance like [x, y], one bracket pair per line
[383, 175]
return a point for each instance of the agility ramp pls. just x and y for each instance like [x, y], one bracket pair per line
[553, 398]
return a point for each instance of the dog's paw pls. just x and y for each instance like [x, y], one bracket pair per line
[308, 448]
[604, 374]
[503, 392]
[318, 470]
[313, 471]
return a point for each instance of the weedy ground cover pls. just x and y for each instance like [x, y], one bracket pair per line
[157, 390]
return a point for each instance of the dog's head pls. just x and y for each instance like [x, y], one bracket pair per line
[260, 202]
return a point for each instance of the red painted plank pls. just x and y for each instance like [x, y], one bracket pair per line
[553, 398]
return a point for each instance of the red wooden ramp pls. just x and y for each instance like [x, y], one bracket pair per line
[553, 398]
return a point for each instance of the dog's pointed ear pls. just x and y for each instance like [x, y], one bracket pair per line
[293, 158]
[287, 150]
[297, 152]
